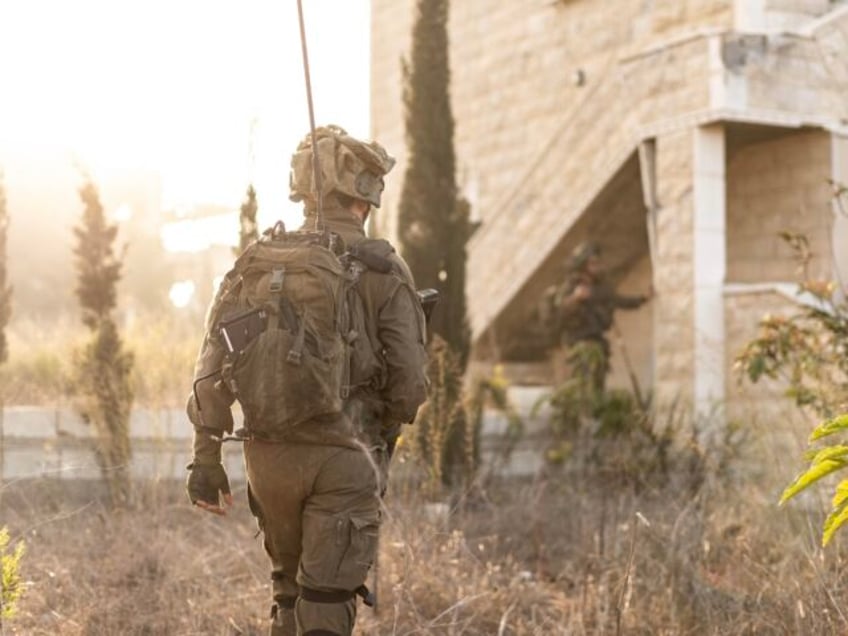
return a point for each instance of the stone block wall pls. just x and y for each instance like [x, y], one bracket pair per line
[515, 72]
[593, 142]
[550, 100]
[391, 27]
[637, 332]
[762, 408]
[774, 186]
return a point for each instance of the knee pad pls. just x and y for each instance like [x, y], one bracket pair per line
[320, 596]
[338, 596]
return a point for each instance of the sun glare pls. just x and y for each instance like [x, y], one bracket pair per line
[207, 95]
[122, 213]
[181, 293]
[197, 235]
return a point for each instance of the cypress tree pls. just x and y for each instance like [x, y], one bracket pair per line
[434, 225]
[98, 268]
[103, 366]
[248, 229]
[5, 308]
[5, 288]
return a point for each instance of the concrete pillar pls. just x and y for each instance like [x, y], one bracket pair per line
[709, 246]
[839, 174]
[673, 271]
[689, 270]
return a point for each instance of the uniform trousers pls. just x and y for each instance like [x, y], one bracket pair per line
[318, 507]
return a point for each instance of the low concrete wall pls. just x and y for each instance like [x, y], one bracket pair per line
[55, 442]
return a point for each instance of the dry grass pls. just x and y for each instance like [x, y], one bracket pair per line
[41, 357]
[565, 554]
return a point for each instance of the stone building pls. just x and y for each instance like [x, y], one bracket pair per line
[682, 134]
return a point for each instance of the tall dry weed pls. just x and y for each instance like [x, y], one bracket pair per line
[558, 554]
[40, 367]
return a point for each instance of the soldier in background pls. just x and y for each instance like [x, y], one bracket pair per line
[582, 310]
[316, 492]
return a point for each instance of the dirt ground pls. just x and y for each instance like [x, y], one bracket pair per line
[563, 554]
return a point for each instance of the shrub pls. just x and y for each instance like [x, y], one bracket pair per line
[808, 352]
[11, 587]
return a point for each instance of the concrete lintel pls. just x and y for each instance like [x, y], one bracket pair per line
[789, 291]
[762, 116]
[749, 15]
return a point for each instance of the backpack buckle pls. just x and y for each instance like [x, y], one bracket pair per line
[278, 275]
[294, 357]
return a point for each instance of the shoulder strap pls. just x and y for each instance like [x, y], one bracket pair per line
[374, 254]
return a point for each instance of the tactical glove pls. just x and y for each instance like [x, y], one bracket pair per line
[206, 482]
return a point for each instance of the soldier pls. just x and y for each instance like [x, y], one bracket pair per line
[583, 309]
[317, 494]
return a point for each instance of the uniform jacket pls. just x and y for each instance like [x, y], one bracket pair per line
[397, 334]
[590, 318]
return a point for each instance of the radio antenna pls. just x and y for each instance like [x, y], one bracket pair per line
[316, 168]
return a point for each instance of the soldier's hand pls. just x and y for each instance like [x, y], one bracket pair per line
[209, 488]
[582, 292]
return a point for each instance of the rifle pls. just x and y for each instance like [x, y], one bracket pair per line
[428, 298]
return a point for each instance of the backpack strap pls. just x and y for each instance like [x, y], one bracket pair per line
[374, 254]
[287, 316]
[295, 354]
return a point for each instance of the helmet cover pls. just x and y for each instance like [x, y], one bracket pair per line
[348, 165]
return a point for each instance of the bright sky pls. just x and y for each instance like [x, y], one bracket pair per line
[177, 85]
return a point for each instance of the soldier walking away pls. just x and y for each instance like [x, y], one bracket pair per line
[318, 437]
[583, 310]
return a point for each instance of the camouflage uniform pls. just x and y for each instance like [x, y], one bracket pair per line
[317, 494]
[585, 321]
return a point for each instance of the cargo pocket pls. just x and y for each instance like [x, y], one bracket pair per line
[325, 542]
[360, 551]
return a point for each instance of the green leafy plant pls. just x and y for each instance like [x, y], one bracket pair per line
[808, 352]
[11, 587]
[443, 443]
[615, 429]
[824, 462]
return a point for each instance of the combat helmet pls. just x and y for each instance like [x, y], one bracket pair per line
[347, 165]
[581, 254]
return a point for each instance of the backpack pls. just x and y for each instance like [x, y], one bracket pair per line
[291, 321]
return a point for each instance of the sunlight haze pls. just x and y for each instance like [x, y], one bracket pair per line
[175, 89]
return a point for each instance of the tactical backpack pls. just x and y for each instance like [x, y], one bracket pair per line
[289, 316]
